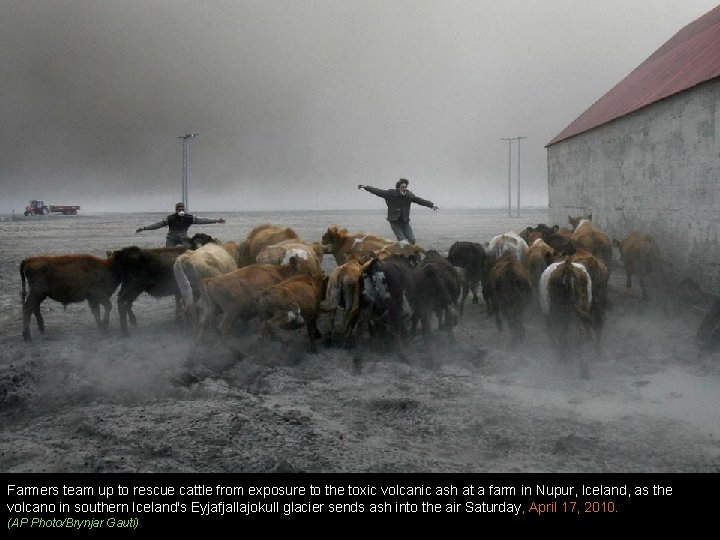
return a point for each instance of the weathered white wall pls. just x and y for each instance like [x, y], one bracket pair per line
[656, 170]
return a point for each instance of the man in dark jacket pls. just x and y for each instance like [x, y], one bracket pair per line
[178, 225]
[398, 202]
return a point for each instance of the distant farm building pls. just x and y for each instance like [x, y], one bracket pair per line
[646, 155]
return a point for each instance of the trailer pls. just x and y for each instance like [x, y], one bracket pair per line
[66, 210]
[39, 208]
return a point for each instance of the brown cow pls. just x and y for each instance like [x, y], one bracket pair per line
[292, 304]
[261, 236]
[539, 255]
[67, 279]
[586, 235]
[234, 295]
[599, 277]
[342, 244]
[641, 256]
[343, 293]
[509, 293]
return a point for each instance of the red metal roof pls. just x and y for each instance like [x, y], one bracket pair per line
[690, 57]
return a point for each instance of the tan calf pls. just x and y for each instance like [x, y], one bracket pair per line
[293, 303]
[641, 256]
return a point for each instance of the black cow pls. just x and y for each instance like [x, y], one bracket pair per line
[147, 270]
[385, 287]
[470, 256]
[150, 270]
[436, 289]
[558, 238]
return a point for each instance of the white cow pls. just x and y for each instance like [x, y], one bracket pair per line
[281, 252]
[509, 242]
[210, 260]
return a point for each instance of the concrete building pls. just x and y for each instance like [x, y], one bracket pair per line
[646, 156]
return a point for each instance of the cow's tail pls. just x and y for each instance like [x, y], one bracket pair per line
[583, 294]
[477, 264]
[516, 288]
[23, 292]
[443, 293]
[205, 302]
[183, 283]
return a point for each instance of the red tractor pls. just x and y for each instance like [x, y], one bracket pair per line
[38, 208]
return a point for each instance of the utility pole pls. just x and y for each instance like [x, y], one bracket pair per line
[509, 140]
[185, 139]
[518, 175]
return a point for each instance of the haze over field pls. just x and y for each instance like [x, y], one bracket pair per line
[297, 102]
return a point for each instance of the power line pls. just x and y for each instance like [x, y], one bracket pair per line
[509, 200]
[185, 139]
[518, 175]
[509, 140]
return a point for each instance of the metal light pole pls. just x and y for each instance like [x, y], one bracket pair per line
[509, 140]
[518, 175]
[185, 139]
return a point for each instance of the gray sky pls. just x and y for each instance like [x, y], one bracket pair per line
[296, 102]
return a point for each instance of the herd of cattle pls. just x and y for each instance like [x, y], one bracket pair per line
[378, 289]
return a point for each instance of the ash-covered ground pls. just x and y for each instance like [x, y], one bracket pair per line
[76, 400]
